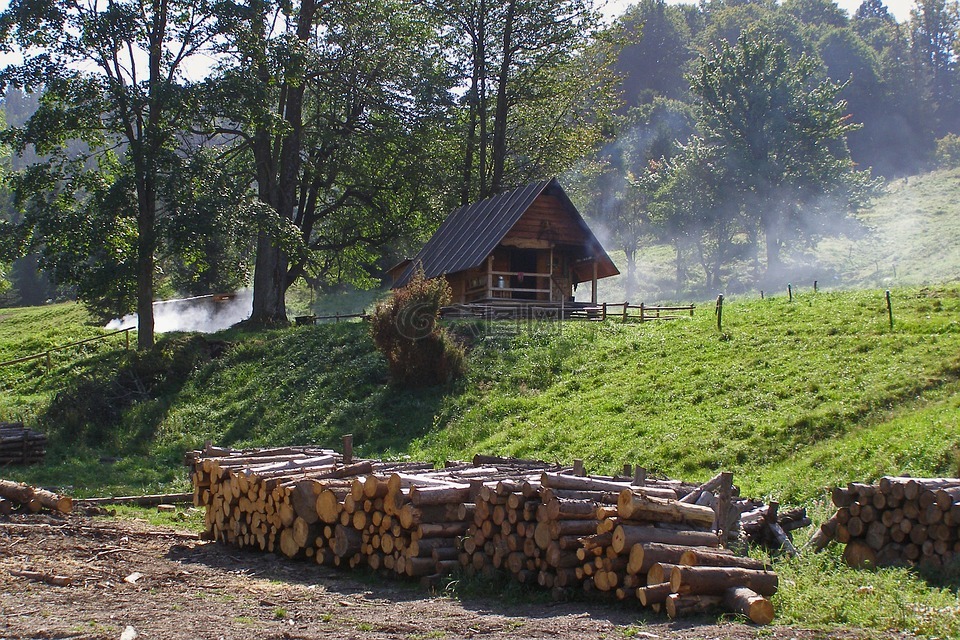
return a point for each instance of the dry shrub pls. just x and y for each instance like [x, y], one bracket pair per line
[406, 329]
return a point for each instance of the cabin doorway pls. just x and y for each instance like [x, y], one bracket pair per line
[523, 262]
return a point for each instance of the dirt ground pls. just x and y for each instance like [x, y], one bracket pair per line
[132, 579]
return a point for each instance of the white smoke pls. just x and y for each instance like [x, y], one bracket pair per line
[205, 314]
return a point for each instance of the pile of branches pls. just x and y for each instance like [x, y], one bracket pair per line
[535, 521]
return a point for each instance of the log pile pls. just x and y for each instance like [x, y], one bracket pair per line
[641, 539]
[19, 445]
[18, 496]
[898, 521]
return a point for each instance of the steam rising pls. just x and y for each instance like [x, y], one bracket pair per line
[206, 314]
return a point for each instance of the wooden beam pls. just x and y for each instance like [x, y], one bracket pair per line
[593, 292]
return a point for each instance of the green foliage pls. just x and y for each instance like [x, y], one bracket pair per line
[406, 330]
[948, 152]
[779, 138]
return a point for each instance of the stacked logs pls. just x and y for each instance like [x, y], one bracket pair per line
[898, 521]
[534, 521]
[19, 496]
[19, 445]
[664, 553]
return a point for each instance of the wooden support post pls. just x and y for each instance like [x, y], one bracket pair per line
[789, 292]
[489, 276]
[719, 311]
[642, 311]
[889, 309]
[593, 292]
[603, 312]
[550, 278]
[627, 469]
[578, 468]
[814, 286]
[723, 505]
[626, 305]
[348, 448]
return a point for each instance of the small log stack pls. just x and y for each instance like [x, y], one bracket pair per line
[19, 445]
[899, 521]
[18, 496]
[537, 522]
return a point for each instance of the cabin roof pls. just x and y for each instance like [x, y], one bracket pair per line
[472, 232]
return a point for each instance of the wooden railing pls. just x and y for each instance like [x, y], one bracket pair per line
[635, 312]
[491, 289]
[305, 320]
[49, 352]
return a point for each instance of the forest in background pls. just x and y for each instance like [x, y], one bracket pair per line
[328, 140]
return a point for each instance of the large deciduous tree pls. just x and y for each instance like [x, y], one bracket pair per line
[337, 104]
[110, 72]
[934, 34]
[537, 87]
[782, 137]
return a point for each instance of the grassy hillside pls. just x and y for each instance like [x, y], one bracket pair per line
[792, 396]
[909, 237]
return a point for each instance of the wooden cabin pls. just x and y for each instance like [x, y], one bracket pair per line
[529, 245]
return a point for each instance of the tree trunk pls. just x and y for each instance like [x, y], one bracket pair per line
[483, 191]
[146, 248]
[500, 117]
[771, 233]
[269, 285]
[629, 286]
[270, 280]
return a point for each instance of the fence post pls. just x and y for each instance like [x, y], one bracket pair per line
[603, 313]
[578, 469]
[639, 476]
[723, 506]
[643, 310]
[889, 309]
[626, 305]
[814, 286]
[790, 292]
[126, 335]
[720, 312]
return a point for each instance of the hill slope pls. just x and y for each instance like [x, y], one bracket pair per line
[792, 396]
[909, 237]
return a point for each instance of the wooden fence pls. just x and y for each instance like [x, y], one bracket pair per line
[48, 354]
[307, 320]
[626, 312]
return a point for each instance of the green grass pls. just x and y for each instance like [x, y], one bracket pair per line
[793, 397]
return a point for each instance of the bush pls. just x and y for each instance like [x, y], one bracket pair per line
[405, 328]
[948, 151]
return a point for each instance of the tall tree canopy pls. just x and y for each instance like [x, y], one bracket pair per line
[782, 136]
[537, 88]
[111, 77]
[337, 106]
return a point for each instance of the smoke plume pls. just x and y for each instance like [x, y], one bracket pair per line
[205, 314]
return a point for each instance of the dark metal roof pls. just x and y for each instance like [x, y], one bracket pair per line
[472, 232]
